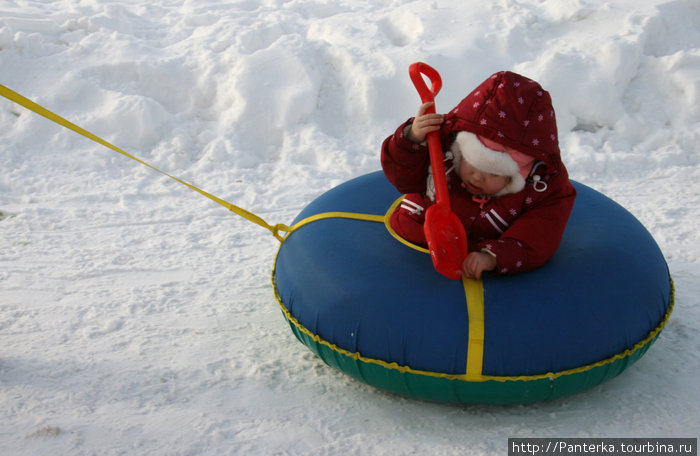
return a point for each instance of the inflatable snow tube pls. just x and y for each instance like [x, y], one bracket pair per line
[373, 306]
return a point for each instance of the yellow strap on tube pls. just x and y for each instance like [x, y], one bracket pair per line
[474, 290]
[27, 103]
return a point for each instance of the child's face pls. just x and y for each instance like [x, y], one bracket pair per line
[479, 182]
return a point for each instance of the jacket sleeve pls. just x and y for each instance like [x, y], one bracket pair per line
[534, 237]
[405, 163]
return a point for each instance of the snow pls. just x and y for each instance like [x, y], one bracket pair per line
[137, 317]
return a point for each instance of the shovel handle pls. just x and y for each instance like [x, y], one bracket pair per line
[416, 71]
[427, 94]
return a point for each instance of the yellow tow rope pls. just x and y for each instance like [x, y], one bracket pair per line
[27, 103]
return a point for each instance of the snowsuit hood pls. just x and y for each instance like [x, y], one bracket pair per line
[512, 110]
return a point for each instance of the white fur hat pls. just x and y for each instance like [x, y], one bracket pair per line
[503, 162]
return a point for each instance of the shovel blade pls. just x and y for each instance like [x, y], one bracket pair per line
[447, 240]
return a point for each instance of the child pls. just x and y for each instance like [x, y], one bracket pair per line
[506, 180]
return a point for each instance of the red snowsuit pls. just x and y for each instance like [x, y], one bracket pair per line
[523, 229]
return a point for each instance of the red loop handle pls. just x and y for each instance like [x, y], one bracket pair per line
[427, 94]
[417, 71]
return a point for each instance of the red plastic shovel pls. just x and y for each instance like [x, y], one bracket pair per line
[444, 231]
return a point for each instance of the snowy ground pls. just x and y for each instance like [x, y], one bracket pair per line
[137, 317]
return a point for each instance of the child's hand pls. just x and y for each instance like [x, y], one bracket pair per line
[478, 262]
[424, 124]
